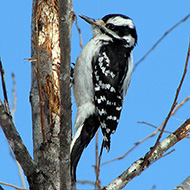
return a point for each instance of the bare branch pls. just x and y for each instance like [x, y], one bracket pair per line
[173, 113]
[98, 183]
[181, 104]
[12, 135]
[4, 87]
[97, 166]
[143, 122]
[149, 124]
[15, 142]
[163, 36]
[85, 182]
[136, 144]
[151, 135]
[123, 156]
[79, 31]
[168, 152]
[21, 153]
[185, 185]
[13, 110]
[20, 174]
[173, 105]
[20, 171]
[11, 185]
[138, 167]
[153, 155]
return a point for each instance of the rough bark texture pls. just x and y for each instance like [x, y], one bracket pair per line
[50, 168]
[29, 167]
[45, 91]
[66, 18]
[16, 142]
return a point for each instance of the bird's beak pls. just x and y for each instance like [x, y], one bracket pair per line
[99, 23]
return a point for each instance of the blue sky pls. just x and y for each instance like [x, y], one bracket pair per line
[149, 98]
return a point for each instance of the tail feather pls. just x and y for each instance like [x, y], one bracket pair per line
[81, 140]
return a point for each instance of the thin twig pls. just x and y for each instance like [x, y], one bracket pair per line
[136, 144]
[138, 167]
[163, 36]
[98, 183]
[28, 165]
[123, 156]
[4, 87]
[96, 166]
[13, 110]
[20, 171]
[11, 185]
[172, 108]
[149, 124]
[168, 153]
[85, 182]
[79, 31]
[149, 136]
[173, 113]
[181, 104]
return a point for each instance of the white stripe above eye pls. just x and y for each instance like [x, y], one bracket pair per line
[119, 21]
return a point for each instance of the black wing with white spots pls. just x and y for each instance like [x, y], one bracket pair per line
[109, 71]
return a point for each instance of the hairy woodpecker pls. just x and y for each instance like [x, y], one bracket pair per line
[101, 78]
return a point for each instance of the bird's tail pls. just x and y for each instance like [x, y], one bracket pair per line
[81, 140]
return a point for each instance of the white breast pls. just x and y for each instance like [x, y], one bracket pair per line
[128, 76]
[83, 85]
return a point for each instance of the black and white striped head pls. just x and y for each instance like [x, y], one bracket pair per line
[117, 26]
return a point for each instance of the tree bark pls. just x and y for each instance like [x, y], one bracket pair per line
[140, 165]
[45, 93]
[50, 56]
[66, 18]
[15, 142]
[185, 185]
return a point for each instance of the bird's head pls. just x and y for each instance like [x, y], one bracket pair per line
[117, 26]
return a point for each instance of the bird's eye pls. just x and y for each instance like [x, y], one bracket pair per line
[110, 26]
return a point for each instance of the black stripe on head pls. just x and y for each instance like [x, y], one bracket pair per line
[120, 30]
[123, 31]
[107, 17]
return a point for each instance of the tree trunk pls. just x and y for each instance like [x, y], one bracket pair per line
[45, 93]
[66, 18]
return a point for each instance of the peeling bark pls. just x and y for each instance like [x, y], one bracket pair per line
[45, 90]
[50, 58]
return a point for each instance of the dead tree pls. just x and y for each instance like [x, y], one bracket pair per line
[49, 97]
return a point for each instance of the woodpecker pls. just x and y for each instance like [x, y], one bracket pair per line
[101, 78]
